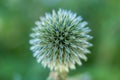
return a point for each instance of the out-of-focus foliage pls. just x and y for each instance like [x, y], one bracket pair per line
[17, 17]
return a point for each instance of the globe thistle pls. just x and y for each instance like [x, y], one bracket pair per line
[60, 40]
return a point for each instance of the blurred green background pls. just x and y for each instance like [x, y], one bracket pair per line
[17, 17]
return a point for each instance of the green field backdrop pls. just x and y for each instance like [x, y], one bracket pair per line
[17, 17]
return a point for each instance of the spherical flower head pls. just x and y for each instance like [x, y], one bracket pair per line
[60, 40]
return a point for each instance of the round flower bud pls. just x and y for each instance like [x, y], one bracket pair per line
[60, 40]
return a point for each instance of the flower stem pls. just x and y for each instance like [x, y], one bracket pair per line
[57, 75]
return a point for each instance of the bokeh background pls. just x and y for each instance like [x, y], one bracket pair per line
[17, 17]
